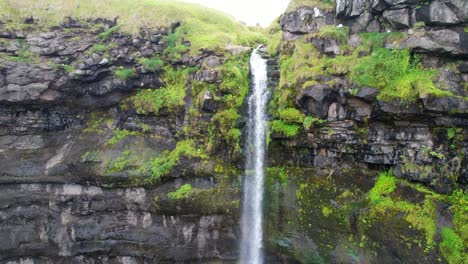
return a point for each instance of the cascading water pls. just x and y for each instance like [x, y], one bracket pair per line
[251, 222]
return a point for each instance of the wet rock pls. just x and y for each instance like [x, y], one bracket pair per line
[438, 41]
[328, 45]
[446, 104]
[236, 49]
[397, 107]
[361, 108]
[367, 94]
[209, 76]
[208, 103]
[317, 99]
[399, 18]
[349, 9]
[443, 13]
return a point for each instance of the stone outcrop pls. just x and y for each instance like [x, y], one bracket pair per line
[72, 188]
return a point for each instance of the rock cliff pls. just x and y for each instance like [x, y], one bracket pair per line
[128, 148]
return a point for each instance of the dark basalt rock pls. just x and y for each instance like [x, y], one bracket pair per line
[440, 13]
[305, 20]
[398, 18]
[317, 99]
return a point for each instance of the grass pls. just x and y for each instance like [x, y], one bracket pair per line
[323, 4]
[180, 193]
[396, 75]
[152, 65]
[205, 28]
[108, 33]
[333, 32]
[125, 74]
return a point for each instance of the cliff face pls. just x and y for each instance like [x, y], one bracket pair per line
[75, 152]
[128, 149]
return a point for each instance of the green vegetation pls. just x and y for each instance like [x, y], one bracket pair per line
[285, 129]
[64, 67]
[152, 65]
[313, 121]
[101, 49]
[180, 193]
[291, 115]
[125, 74]
[120, 134]
[203, 27]
[327, 5]
[89, 156]
[24, 54]
[119, 164]
[108, 33]
[164, 163]
[171, 96]
[385, 184]
[333, 32]
[395, 75]
[452, 246]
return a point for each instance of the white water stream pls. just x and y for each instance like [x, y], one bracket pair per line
[252, 216]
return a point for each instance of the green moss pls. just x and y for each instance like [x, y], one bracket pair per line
[285, 129]
[120, 134]
[24, 54]
[291, 115]
[102, 49]
[326, 211]
[170, 97]
[180, 193]
[420, 216]
[121, 163]
[331, 31]
[385, 184]
[310, 121]
[164, 163]
[152, 65]
[395, 75]
[94, 124]
[125, 74]
[89, 157]
[452, 247]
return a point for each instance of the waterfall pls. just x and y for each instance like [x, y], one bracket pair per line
[252, 215]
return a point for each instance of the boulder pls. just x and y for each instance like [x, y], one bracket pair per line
[398, 107]
[362, 109]
[349, 9]
[208, 103]
[305, 20]
[447, 104]
[328, 46]
[399, 18]
[439, 41]
[439, 13]
[367, 94]
[316, 100]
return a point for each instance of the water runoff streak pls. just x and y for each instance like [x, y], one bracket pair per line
[252, 215]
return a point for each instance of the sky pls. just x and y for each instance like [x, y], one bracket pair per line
[250, 12]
